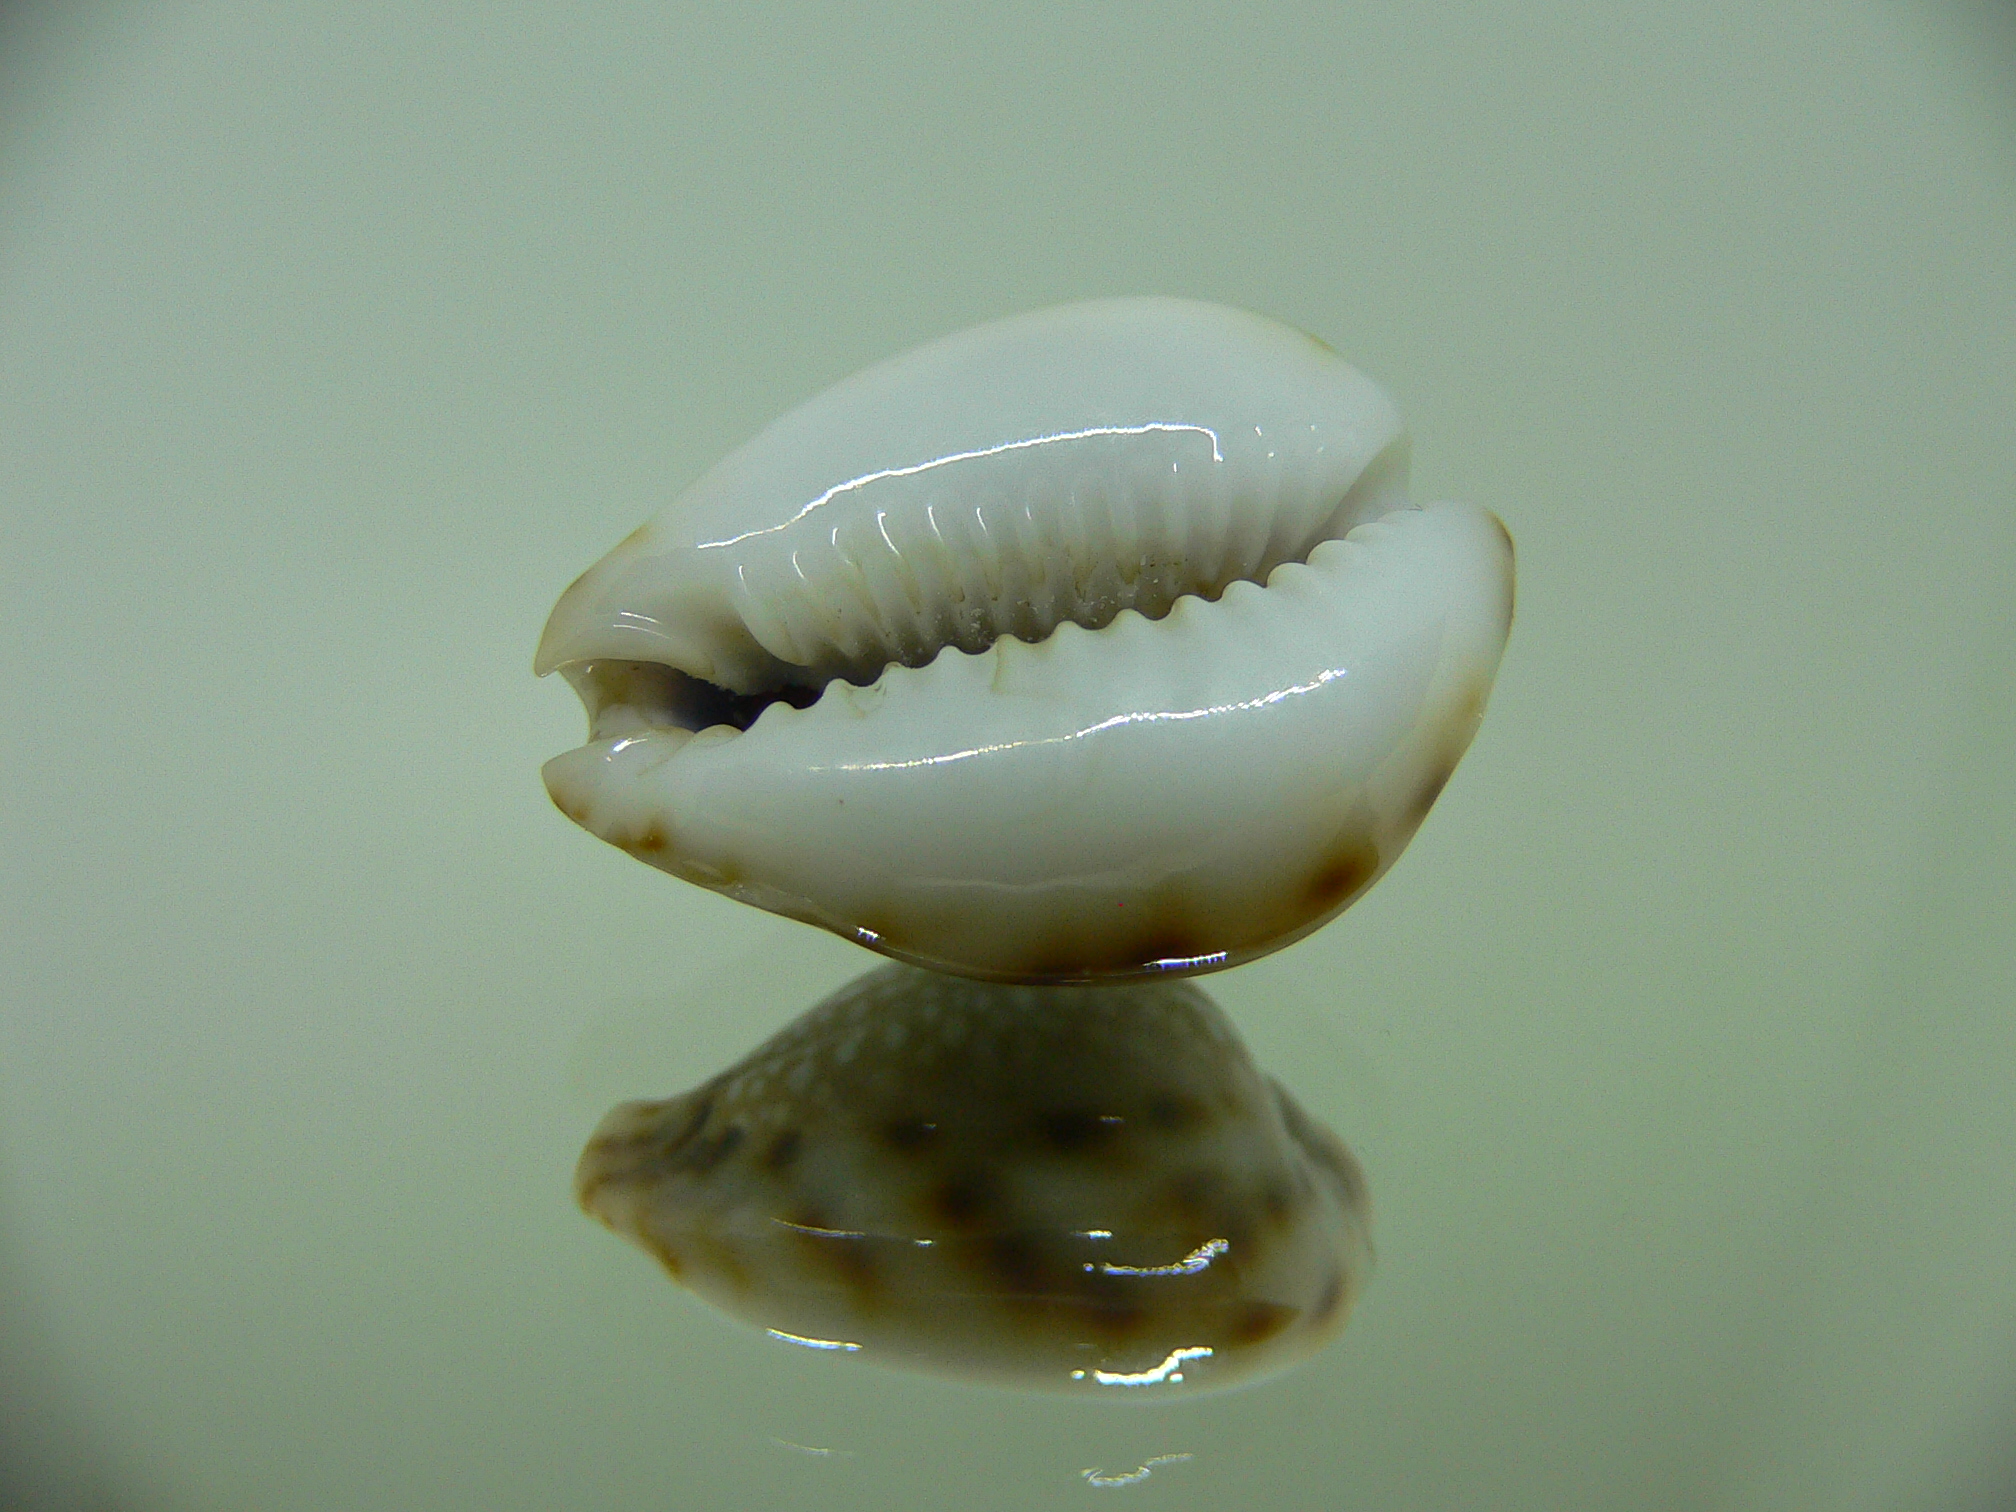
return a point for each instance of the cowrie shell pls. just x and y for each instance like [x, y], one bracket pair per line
[1100, 641]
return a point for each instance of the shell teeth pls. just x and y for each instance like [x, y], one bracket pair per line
[1015, 545]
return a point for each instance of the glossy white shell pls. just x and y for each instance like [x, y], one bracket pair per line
[1134, 657]
[1074, 1188]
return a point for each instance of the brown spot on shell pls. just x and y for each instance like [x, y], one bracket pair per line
[1129, 941]
[689, 1130]
[961, 1201]
[853, 1260]
[1015, 1262]
[1072, 1131]
[1258, 1322]
[703, 1155]
[779, 1154]
[649, 841]
[1346, 872]
[573, 808]
[690, 1148]
[1470, 714]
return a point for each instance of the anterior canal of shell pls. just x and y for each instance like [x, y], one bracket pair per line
[1086, 1189]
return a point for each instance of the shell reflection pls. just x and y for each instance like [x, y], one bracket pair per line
[1081, 1188]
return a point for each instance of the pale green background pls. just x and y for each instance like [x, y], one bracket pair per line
[335, 339]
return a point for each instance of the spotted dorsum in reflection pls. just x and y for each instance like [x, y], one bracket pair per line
[1085, 1189]
[1097, 642]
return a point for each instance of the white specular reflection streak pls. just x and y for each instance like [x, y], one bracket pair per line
[1186, 963]
[844, 1345]
[1189, 1265]
[1169, 1370]
[1088, 433]
[1132, 1477]
[1148, 716]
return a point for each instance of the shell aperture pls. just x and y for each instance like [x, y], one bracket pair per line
[1082, 1189]
[1096, 642]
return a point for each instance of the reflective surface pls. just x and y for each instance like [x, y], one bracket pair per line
[1675, 1048]
[1074, 1189]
